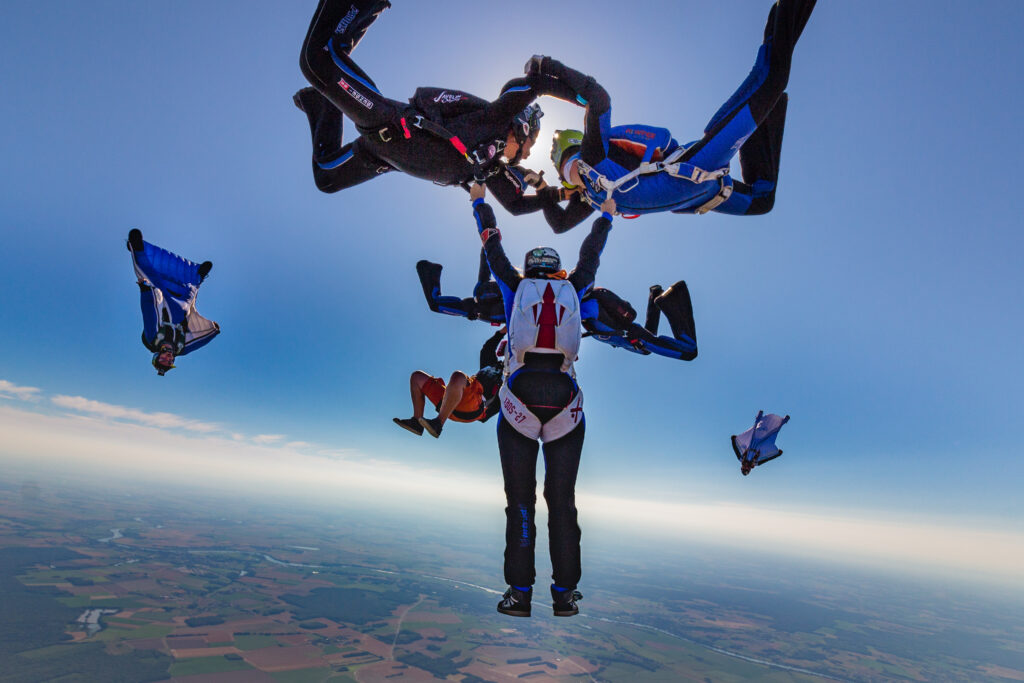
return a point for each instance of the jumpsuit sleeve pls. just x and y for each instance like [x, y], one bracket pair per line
[483, 273]
[488, 352]
[504, 272]
[583, 275]
[589, 93]
[511, 195]
[518, 93]
[559, 218]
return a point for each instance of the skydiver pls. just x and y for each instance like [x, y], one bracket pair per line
[447, 136]
[756, 446]
[485, 304]
[540, 400]
[463, 399]
[169, 285]
[609, 319]
[647, 171]
[605, 316]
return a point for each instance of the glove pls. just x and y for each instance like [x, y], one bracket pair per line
[533, 65]
[535, 179]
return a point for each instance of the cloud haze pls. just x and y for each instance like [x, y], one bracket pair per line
[113, 440]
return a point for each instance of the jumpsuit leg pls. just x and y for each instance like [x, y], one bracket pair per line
[561, 464]
[754, 100]
[653, 319]
[326, 64]
[343, 87]
[519, 468]
[759, 159]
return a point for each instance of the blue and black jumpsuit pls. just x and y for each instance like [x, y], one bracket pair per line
[546, 391]
[752, 120]
[609, 319]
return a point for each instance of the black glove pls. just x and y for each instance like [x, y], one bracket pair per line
[534, 65]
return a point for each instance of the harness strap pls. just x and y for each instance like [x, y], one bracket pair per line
[670, 165]
[724, 192]
[480, 162]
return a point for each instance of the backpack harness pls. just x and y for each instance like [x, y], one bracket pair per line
[481, 159]
[598, 182]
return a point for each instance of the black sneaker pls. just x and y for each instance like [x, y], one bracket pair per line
[563, 603]
[409, 423]
[433, 426]
[135, 240]
[515, 603]
[204, 269]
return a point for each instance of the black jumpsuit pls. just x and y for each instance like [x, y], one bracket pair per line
[389, 137]
[545, 390]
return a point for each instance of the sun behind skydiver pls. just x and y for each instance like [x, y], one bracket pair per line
[444, 135]
[647, 171]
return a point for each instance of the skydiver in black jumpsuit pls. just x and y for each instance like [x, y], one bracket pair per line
[447, 136]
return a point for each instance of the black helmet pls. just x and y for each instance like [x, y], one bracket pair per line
[161, 367]
[526, 124]
[541, 261]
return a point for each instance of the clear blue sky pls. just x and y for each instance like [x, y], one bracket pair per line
[878, 304]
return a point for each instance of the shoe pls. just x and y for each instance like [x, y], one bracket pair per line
[563, 602]
[433, 426]
[306, 98]
[410, 424]
[204, 269]
[135, 240]
[515, 603]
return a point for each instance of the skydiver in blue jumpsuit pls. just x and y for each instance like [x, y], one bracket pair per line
[605, 316]
[609, 319]
[168, 287]
[606, 158]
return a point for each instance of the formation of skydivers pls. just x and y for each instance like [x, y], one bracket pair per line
[526, 376]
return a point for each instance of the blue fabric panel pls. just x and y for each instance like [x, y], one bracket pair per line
[747, 88]
[723, 146]
[340, 63]
[328, 165]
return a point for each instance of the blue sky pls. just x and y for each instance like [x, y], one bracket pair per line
[878, 304]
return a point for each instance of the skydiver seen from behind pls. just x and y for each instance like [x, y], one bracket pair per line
[168, 287]
[646, 170]
[463, 399]
[444, 135]
[541, 402]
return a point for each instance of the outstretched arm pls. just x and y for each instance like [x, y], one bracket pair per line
[507, 277]
[488, 352]
[520, 92]
[562, 219]
[583, 275]
[588, 93]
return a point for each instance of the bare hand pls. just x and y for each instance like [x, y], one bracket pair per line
[608, 206]
[477, 191]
